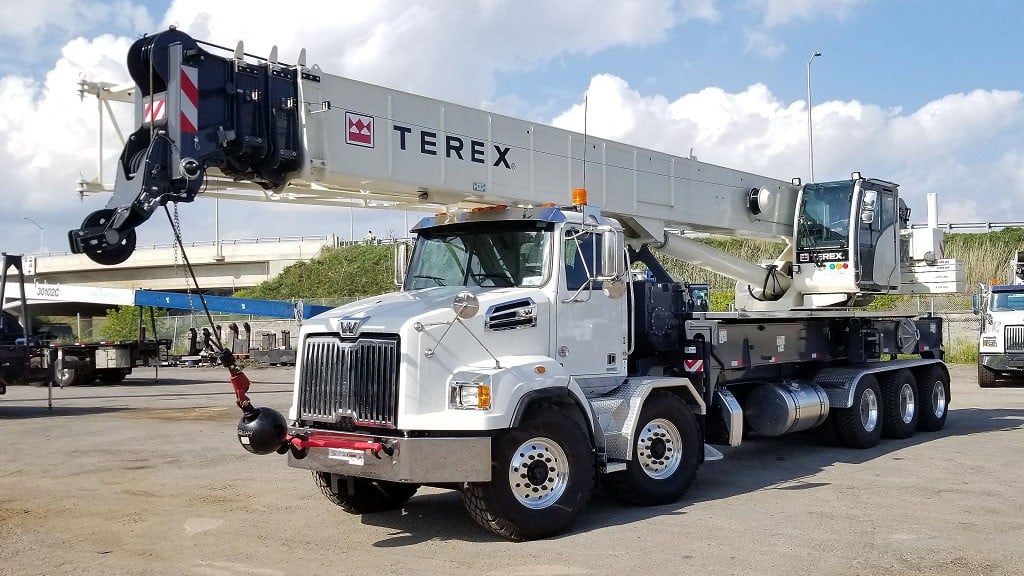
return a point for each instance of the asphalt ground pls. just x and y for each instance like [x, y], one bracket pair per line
[147, 477]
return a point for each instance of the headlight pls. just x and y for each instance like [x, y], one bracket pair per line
[988, 342]
[470, 396]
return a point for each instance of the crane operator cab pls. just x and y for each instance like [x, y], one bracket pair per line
[848, 237]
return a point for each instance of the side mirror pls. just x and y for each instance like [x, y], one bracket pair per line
[401, 262]
[465, 305]
[613, 262]
[976, 304]
[867, 206]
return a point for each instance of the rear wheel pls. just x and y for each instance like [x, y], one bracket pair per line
[860, 426]
[900, 407]
[542, 474]
[986, 377]
[933, 392]
[361, 495]
[666, 454]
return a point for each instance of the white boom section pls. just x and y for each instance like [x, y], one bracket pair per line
[374, 143]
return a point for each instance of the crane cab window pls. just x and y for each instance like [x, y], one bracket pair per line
[824, 220]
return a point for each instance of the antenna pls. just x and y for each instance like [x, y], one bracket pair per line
[586, 108]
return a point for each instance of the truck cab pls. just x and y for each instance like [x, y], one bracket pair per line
[1001, 342]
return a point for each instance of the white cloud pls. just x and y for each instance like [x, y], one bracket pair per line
[754, 131]
[764, 44]
[779, 12]
[448, 49]
[699, 10]
[27, 20]
[48, 136]
[765, 41]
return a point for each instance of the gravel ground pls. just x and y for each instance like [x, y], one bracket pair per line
[147, 478]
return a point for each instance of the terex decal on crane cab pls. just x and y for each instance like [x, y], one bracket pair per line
[452, 147]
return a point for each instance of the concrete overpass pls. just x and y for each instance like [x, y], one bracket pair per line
[223, 268]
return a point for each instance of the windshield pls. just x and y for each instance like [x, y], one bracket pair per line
[825, 216]
[501, 255]
[1007, 301]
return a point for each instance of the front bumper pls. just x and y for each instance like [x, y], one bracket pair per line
[411, 460]
[1002, 362]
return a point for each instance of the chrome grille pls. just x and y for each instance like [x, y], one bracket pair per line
[352, 382]
[1014, 338]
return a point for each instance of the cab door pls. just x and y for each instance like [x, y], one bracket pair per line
[591, 327]
[877, 238]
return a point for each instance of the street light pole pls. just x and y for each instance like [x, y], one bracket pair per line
[810, 129]
[40, 232]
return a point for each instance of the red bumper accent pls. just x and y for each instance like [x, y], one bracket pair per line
[336, 442]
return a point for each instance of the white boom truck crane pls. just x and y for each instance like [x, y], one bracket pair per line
[521, 359]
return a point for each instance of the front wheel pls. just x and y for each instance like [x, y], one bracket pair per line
[860, 426]
[542, 474]
[361, 495]
[666, 454]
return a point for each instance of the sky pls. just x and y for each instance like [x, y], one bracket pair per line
[925, 93]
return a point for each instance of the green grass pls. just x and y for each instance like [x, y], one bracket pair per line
[962, 351]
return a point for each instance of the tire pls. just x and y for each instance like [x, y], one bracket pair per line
[66, 377]
[860, 426]
[900, 406]
[364, 496]
[35, 363]
[986, 377]
[542, 474]
[933, 394]
[666, 454]
[113, 377]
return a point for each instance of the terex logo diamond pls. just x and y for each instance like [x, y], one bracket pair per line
[360, 129]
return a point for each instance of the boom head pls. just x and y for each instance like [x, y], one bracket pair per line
[196, 110]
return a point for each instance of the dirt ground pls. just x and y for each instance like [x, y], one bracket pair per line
[148, 478]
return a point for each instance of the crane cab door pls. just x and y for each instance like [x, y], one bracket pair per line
[877, 236]
[590, 327]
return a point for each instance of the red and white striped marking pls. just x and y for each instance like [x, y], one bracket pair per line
[189, 99]
[153, 110]
[693, 365]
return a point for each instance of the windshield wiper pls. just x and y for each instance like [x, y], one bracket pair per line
[437, 279]
[506, 277]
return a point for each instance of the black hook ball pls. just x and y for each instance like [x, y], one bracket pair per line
[262, 430]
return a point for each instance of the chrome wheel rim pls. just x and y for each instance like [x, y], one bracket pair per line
[938, 398]
[65, 376]
[908, 403]
[869, 410]
[538, 473]
[659, 448]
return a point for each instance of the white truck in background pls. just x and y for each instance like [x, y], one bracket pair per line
[1001, 342]
[521, 358]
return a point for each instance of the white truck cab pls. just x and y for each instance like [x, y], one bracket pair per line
[1001, 343]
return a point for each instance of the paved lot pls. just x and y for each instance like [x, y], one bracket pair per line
[147, 478]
